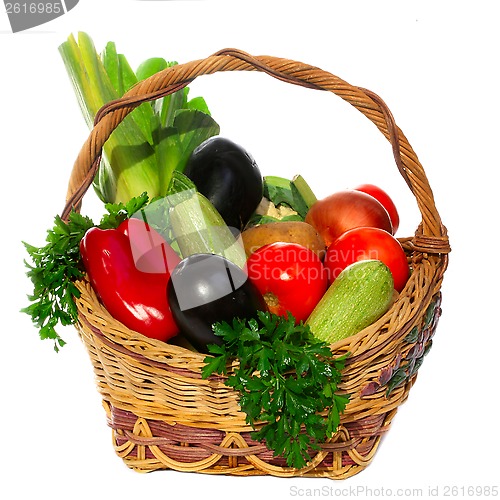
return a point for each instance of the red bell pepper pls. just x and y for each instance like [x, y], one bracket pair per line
[151, 253]
[129, 268]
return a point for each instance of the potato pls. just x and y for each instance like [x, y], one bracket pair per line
[287, 232]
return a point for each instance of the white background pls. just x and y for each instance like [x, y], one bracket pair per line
[434, 63]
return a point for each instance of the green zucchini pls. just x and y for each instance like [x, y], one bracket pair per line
[199, 228]
[360, 295]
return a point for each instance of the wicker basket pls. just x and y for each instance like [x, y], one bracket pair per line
[164, 416]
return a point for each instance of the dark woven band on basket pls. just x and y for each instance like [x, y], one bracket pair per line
[182, 445]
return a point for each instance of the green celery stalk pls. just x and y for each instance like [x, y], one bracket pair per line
[129, 168]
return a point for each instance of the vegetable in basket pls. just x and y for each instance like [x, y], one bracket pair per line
[343, 210]
[287, 381]
[360, 295]
[128, 262]
[299, 232]
[56, 265]
[140, 159]
[379, 194]
[205, 289]
[229, 177]
[284, 200]
[153, 140]
[362, 243]
[129, 268]
[290, 277]
[197, 226]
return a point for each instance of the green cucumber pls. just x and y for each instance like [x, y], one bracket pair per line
[360, 295]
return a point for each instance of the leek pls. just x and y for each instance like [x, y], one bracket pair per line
[153, 140]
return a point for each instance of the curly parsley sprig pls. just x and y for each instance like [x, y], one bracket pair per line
[285, 378]
[55, 266]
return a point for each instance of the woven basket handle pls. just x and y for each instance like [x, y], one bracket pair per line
[431, 235]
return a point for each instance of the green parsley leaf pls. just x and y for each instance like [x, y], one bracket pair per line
[286, 379]
[54, 267]
[118, 212]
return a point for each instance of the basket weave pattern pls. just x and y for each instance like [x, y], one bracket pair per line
[163, 415]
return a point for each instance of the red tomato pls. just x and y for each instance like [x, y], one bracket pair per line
[380, 195]
[289, 276]
[368, 243]
[346, 210]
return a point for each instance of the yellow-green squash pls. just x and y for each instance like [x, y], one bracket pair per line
[360, 295]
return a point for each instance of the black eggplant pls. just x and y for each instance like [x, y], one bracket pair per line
[205, 289]
[229, 177]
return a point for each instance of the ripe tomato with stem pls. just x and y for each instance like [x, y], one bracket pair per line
[365, 243]
[291, 278]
